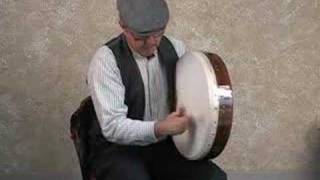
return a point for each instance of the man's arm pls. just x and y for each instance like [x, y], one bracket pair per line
[107, 92]
[176, 122]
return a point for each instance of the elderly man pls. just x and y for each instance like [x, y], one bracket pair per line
[131, 82]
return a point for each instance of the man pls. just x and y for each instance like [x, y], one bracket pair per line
[131, 82]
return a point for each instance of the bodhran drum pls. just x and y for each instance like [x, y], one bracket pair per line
[204, 89]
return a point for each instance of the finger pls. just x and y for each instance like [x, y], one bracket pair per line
[181, 111]
[188, 118]
[175, 113]
[178, 110]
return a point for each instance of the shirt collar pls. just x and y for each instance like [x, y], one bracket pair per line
[137, 56]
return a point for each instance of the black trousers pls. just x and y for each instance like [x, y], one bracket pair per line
[160, 161]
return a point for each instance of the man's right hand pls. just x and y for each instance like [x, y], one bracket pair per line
[176, 123]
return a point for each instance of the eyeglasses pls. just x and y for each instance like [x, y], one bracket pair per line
[155, 35]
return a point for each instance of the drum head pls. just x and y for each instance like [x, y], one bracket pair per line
[203, 88]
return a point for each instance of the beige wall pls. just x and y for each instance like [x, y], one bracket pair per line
[271, 48]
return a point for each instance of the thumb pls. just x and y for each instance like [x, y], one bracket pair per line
[181, 111]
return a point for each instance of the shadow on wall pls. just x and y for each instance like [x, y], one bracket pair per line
[313, 144]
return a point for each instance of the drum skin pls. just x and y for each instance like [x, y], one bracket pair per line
[212, 121]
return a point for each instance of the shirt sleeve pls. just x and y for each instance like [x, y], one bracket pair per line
[107, 93]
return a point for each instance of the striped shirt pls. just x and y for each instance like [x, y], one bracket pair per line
[108, 94]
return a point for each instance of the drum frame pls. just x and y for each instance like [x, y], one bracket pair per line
[225, 106]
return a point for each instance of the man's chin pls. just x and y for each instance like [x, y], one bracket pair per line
[148, 53]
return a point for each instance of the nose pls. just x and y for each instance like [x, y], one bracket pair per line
[152, 41]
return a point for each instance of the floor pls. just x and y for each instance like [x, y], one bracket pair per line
[231, 176]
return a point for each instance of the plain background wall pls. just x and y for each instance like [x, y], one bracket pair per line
[271, 48]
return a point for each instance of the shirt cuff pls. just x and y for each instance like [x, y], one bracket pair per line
[149, 131]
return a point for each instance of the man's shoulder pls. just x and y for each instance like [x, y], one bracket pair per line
[115, 39]
[103, 58]
[173, 40]
[178, 45]
[104, 52]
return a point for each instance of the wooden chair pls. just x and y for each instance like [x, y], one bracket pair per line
[79, 125]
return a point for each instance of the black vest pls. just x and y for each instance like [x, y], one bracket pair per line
[132, 80]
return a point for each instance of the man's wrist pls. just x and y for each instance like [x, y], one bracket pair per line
[159, 130]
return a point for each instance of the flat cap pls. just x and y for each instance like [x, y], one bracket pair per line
[143, 16]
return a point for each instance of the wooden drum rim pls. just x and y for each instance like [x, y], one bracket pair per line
[225, 106]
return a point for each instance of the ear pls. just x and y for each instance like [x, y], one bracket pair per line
[125, 31]
[122, 25]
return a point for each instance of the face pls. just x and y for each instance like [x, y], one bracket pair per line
[144, 45]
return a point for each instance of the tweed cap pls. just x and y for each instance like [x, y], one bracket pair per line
[143, 17]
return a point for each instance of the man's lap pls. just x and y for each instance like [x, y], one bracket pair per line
[172, 165]
[160, 161]
[121, 163]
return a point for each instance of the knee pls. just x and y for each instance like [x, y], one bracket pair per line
[223, 175]
[219, 174]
